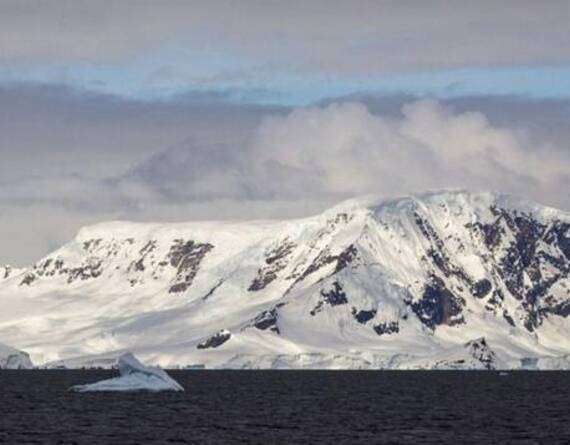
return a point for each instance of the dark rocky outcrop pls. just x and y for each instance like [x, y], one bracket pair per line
[508, 318]
[438, 305]
[213, 289]
[92, 268]
[275, 261]
[324, 257]
[138, 265]
[387, 328]
[346, 257]
[267, 320]
[215, 341]
[186, 257]
[481, 288]
[5, 272]
[341, 261]
[522, 247]
[85, 272]
[28, 279]
[335, 297]
[363, 316]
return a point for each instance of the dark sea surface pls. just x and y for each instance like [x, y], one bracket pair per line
[288, 407]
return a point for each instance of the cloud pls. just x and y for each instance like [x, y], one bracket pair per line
[226, 161]
[194, 171]
[342, 149]
[68, 157]
[54, 130]
[362, 36]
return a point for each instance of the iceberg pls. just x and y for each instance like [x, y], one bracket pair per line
[134, 377]
[11, 358]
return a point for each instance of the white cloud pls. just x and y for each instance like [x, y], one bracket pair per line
[345, 150]
[341, 150]
[293, 164]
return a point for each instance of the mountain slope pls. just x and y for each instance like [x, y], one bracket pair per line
[448, 279]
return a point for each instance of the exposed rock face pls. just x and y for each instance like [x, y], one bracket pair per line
[363, 316]
[215, 341]
[275, 261]
[334, 297]
[104, 256]
[481, 288]
[7, 272]
[439, 305]
[186, 257]
[398, 277]
[392, 327]
[267, 320]
[530, 258]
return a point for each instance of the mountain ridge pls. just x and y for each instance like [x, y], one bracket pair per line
[375, 283]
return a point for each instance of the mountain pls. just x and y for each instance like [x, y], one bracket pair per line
[437, 280]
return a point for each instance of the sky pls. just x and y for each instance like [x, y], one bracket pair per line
[183, 110]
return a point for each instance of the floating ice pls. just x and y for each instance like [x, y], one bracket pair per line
[11, 358]
[134, 377]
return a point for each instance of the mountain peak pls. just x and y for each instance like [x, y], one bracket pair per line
[451, 197]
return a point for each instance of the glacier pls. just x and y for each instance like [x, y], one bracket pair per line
[438, 280]
[134, 376]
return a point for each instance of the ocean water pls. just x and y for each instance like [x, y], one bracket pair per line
[290, 407]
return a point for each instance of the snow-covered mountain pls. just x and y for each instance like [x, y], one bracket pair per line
[438, 280]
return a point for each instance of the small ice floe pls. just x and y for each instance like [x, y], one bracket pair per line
[503, 373]
[134, 377]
